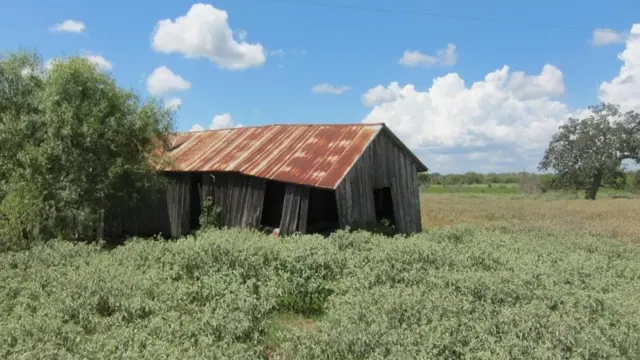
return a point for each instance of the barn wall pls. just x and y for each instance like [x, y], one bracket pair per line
[383, 164]
[240, 197]
[156, 214]
[354, 196]
[179, 204]
[295, 208]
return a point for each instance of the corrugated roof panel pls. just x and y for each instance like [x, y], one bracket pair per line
[314, 155]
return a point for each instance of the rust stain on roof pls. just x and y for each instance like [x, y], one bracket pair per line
[314, 155]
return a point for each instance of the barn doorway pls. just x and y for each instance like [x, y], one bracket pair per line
[322, 217]
[383, 204]
[273, 202]
[195, 201]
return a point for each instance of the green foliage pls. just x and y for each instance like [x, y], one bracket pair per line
[634, 181]
[73, 144]
[424, 178]
[587, 152]
[210, 214]
[383, 227]
[473, 189]
[473, 178]
[461, 293]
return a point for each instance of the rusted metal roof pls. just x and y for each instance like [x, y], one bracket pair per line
[314, 155]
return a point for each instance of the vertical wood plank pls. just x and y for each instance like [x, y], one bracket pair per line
[186, 203]
[171, 205]
[406, 184]
[290, 209]
[415, 195]
[367, 192]
[228, 200]
[222, 193]
[246, 203]
[258, 202]
[341, 200]
[304, 210]
[234, 201]
[397, 196]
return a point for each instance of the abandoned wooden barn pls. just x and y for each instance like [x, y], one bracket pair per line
[298, 178]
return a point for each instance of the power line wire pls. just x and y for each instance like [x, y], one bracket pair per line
[424, 13]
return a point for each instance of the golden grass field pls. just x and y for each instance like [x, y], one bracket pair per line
[619, 218]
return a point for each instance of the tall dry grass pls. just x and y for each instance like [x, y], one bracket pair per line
[619, 218]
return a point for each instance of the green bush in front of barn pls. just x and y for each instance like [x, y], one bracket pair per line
[461, 293]
[73, 144]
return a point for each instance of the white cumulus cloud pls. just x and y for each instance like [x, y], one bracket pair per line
[100, 62]
[197, 127]
[508, 113]
[606, 37]
[71, 26]
[222, 121]
[325, 88]
[162, 81]
[204, 32]
[173, 103]
[624, 89]
[443, 57]
[381, 94]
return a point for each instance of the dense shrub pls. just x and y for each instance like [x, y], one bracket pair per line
[73, 144]
[634, 181]
[461, 293]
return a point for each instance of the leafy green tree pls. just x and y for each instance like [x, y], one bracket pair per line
[493, 178]
[472, 178]
[589, 151]
[424, 178]
[436, 179]
[73, 144]
[634, 182]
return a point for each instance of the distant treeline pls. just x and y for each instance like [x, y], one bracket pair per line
[544, 181]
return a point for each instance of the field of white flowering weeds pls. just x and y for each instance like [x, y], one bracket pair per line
[459, 293]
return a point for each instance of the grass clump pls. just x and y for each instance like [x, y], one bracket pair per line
[453, 293]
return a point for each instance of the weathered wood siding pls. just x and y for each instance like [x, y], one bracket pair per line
[294, 209]
[383, 164]
[354, 197]
[179, 204]
[240, 197]
[304, 210]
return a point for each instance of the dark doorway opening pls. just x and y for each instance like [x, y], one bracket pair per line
[272, 206]
[384, 205]
[323, 212]
[195, 201]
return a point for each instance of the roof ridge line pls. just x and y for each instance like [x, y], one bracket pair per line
[288, 125]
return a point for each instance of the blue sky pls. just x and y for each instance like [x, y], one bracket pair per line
[496, 126]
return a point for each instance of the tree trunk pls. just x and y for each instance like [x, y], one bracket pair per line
[592, 191]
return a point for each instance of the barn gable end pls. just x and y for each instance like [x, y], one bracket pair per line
[384, 167]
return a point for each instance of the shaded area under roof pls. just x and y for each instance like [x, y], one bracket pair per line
[313, 155]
